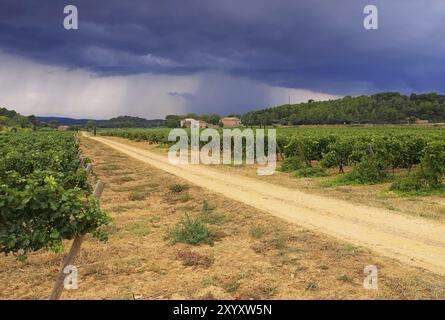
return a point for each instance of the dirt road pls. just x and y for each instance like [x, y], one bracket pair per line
[411, 240]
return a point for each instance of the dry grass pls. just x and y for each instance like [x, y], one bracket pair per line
[257, 255]
[190, 259]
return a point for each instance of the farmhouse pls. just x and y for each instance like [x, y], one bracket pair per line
[231, 122]
[187, 123]
[62, 128]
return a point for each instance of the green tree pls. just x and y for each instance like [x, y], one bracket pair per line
[214, 119]
[90, 125]
[172, 121]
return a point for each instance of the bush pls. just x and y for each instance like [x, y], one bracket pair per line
[191, 231]
[301, 169]
[291, 164]
[369, 170]
[311, 172]
[408, 183]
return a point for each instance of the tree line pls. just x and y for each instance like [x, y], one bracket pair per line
[10, 118]
[382, 108]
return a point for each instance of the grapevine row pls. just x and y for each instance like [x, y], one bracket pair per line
[373, 153]
[45, 197]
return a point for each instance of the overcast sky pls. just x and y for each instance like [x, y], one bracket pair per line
[157, 57]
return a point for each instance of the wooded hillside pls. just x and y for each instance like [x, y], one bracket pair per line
[390, 107]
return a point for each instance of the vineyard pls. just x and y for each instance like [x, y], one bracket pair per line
[413, 158]
[45, 197]
[161, 218]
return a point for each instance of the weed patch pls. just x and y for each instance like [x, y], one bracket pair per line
[177, 188]
[312, 285]
[311, 172]
[344, 278]
[232, 286]
[191, 231]
[257, 232]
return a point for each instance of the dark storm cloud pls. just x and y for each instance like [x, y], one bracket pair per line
[313, 44]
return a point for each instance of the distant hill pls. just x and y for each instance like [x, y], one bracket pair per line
[381, 108]
[118, 122]
[130, 122]
[63, 121]
[10, 118]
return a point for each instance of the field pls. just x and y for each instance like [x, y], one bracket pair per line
[171, 238]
